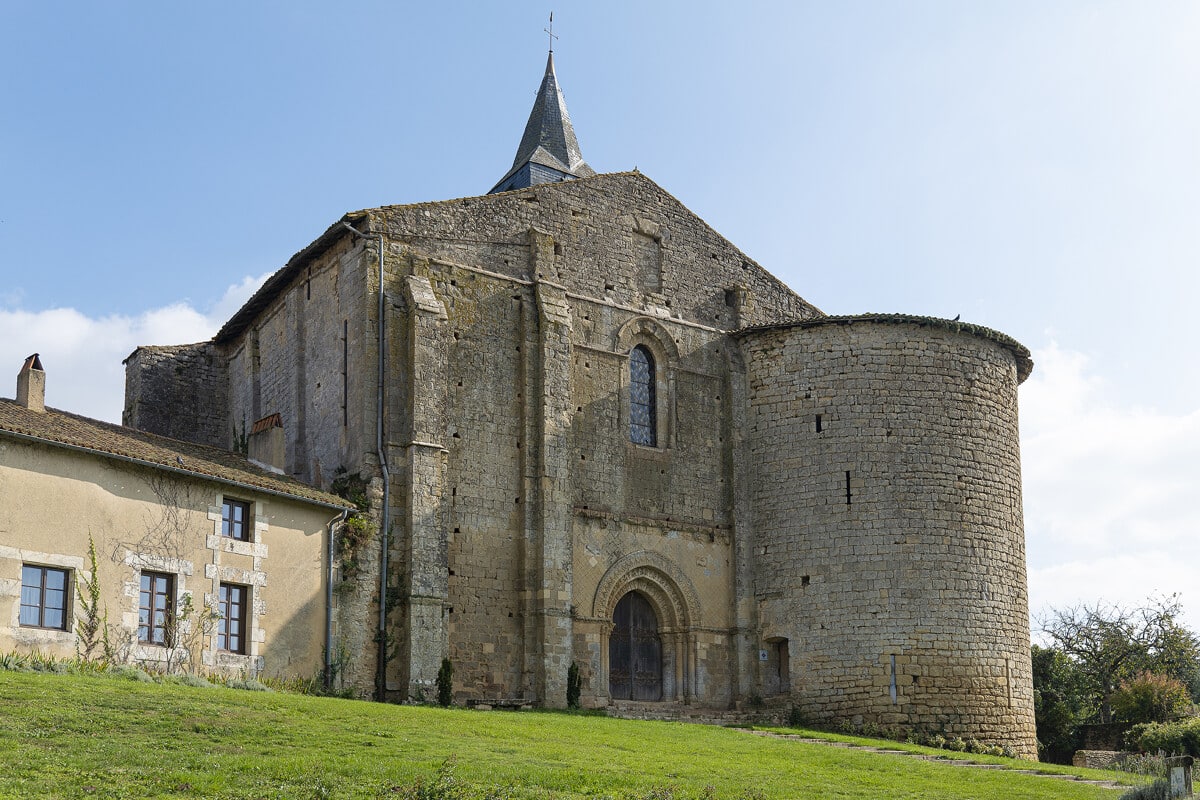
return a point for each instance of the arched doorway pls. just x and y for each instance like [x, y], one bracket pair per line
[635, 651]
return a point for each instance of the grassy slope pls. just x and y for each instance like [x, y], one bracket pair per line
[98, 736]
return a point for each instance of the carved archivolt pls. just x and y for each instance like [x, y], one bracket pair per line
[659, 579]
[644, 330]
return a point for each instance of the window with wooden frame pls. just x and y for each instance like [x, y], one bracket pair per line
[231, 630]
[235, 519]
[156, 609]
[44, 597]
[643, 401]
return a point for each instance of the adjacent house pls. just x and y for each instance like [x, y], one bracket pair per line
[198, 558]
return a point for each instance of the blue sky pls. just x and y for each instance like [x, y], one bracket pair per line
[1032, 166]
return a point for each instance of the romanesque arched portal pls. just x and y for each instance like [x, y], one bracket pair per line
[648, 644]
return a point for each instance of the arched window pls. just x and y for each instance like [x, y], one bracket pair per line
[643, 405]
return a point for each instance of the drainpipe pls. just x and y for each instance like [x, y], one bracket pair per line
[328, 675]
[385, 512]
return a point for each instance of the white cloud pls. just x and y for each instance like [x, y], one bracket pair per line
[1110, 511]
[82, 355]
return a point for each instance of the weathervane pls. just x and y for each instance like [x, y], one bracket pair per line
[550, 31]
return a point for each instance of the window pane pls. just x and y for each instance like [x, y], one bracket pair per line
[56, 579]
[53, 618]
[29, 615]
[642, 402]
[31, 576]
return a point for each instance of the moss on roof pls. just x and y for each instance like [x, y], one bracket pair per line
[106, 439]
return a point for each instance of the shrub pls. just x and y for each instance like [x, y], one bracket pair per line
[574, 686]
[132, 674]
[1159, 790]
[1150, 697]
[445, 683]
[195, 681]
[1182, 737]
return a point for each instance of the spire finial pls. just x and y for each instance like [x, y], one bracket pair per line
[550, 31]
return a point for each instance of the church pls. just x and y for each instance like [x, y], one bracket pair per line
[585, 429]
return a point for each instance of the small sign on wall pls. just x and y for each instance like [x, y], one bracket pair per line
[763, 655]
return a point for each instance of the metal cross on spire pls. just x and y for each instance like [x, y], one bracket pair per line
[550, 31]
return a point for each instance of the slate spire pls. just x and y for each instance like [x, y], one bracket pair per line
[549, 151]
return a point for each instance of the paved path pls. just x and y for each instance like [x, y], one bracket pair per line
[946, 759]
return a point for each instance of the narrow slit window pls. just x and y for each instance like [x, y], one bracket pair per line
[892, 688]
[643, 403]
[847, 487]
[345, 372]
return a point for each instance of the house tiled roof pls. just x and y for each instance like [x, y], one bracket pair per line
[59, 428]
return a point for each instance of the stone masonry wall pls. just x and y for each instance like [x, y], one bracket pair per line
[663, 509]
[485, 437]
[505, 572]
[889, 539]
[309, 356]
[178, 391]
[617, 237]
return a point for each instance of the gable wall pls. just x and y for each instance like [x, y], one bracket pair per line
[596, 224]
[304, 356]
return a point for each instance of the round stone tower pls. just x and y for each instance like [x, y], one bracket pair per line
[888, 542]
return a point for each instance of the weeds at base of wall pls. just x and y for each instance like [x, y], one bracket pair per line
[93, 634]
[1144, 764]
[797, 718]
[37, 661]
[938, 740]
[1159, 790]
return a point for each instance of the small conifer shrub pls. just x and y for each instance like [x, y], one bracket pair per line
[574, 686]
[445, 683]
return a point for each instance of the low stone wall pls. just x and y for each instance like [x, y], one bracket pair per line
[1099, 759]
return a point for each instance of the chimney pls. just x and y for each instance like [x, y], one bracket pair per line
[31, 385]
[265, 446]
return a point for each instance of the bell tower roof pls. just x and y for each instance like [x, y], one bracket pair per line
[549, 151]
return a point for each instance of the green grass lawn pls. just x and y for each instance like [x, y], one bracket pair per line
[102, 736]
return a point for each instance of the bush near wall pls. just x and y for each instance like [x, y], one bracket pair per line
[1174, 738]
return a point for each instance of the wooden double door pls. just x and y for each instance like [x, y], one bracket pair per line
[635, 651]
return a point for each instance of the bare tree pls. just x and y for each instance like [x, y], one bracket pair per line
[1110, 643]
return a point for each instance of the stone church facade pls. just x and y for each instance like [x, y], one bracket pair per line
[593, 431]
